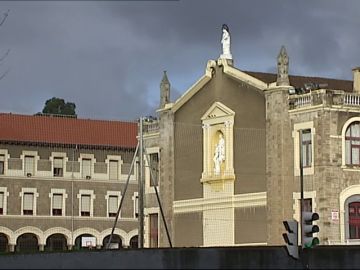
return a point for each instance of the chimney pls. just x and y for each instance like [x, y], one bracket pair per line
[356, 78]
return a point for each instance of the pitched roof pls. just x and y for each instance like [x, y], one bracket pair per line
[299, 81]
[62, 130]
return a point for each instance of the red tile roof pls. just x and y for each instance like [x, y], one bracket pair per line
[299, 81]
[63, 130]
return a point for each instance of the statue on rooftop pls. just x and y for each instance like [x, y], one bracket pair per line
[225, 41]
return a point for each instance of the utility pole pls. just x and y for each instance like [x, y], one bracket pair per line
[141, 186]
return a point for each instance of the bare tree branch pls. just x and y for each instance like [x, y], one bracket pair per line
[4, 74]
[5, 55]
[4, 17]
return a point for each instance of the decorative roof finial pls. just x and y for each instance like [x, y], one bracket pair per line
[283, 68]
[164, 91]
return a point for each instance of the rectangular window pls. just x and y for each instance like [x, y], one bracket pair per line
[113, 206]
[154, 167]
[85, 205]
[2, 197]
[153, 230]
[58, 166]
[28, 203]
[57, 204]
[29, 165]
[136, 205]
[113, 170]
[86, 168]
[306, 145]
[2, 164]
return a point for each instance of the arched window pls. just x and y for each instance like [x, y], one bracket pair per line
[354, 220]
[352, 144]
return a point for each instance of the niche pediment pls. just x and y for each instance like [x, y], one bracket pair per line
[217, 110]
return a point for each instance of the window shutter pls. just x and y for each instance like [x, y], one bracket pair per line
[86, 167]
[136, 205]
[113, 204]
[113, 169]
[58, 162]
[1, 200]
[29, 165]
[28, 201]
[57, 201]
[85, 203]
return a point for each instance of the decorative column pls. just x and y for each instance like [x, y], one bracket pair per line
[229, 143]
[207, 147]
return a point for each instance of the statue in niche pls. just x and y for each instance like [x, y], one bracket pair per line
[225, 41]
[219, 155]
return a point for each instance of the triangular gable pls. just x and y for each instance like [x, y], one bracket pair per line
[229, 70]
[217, 110]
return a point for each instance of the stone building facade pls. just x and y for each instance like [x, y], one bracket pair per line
[260, 116]
[61, 182]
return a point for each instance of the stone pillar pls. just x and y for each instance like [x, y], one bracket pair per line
[279, 163]
[41, 247]
[166, 184]
[11, 248]
[70, 247]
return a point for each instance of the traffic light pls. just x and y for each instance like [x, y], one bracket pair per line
[291, 238]
[309, 228]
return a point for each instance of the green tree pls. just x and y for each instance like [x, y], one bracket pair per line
[58, 106]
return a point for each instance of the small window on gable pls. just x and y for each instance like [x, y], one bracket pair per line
[352, 144]
[58, 167]
[2, 164]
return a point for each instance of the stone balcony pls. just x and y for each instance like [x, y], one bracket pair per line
[151, 127]
[325, 98]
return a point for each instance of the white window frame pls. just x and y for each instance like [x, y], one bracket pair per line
[135, 199]
[6, 194]
[120, 162]
[147, 212]
[92, 198]
[92, 162]
[107, 196]
[343, 132]
[148, 187]
[296, 137]
[64, 197]
[36, 195]
[36, 159]
[58, 155]
[4, 152]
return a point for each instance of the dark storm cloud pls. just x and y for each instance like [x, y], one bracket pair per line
[108, 56]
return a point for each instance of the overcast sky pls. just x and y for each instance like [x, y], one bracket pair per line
[108, 57]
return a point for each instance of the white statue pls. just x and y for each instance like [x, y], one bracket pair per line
[225, 41]
[219, 155]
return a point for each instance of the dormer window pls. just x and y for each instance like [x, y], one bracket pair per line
[29, 166]
[58, 167]
[86, 168]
